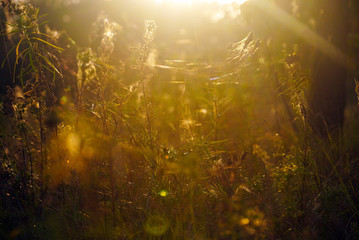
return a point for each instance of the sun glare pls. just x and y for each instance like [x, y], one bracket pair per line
[189, 2]
[225, 1]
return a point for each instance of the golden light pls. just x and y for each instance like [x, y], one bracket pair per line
[73, 143]
[225, 1]
[218, 8]
[189, 2]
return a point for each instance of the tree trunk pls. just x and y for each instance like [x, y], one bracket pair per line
[327, 93]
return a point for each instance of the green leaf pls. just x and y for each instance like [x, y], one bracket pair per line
[46, 42]
[7, 55]
[50, 64]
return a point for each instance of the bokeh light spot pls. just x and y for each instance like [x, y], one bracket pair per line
[63, 100]
[244, 221]
[163, 193]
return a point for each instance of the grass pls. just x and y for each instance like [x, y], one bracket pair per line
[136, 148]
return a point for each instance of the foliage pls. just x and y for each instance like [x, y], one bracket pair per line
[98, 145]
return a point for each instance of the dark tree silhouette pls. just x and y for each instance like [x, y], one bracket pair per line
[5, 46]
[327, 94]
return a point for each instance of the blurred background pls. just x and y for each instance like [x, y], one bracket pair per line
[170, 119]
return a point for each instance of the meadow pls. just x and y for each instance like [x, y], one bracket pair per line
[175, 120]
